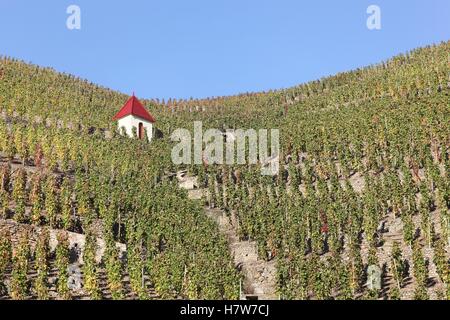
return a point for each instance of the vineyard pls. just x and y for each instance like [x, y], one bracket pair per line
[86, 213]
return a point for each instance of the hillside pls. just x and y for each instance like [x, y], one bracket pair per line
[363, 182]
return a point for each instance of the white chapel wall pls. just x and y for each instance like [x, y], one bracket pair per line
[131, 121]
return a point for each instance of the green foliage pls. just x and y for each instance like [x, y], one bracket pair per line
[441, 261]
[67, 206]
[52, 206]
[90, 269]
[42, 266]
[5, 258]
[36, 199]
[19, 195]
[420, 269]
[113, 267]
[19, 288]
[398, 266]
[62, 264]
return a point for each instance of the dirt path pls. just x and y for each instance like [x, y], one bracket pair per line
[259, 275]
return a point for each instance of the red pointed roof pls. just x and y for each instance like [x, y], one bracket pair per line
[134, 107]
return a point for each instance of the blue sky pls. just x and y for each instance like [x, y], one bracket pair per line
[201, 48]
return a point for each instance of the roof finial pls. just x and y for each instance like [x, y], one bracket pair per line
[133, 93]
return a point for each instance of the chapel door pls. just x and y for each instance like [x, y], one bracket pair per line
[141, 130]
